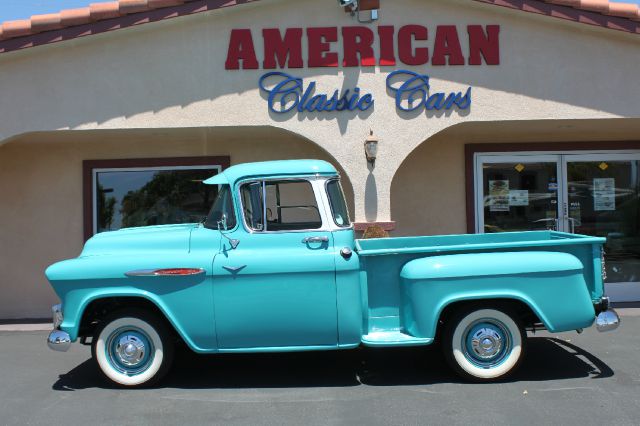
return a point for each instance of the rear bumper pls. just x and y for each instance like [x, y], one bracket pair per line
[58, 340]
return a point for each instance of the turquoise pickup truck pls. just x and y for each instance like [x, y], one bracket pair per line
[276, 267]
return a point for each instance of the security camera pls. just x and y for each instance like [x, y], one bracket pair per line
[351, 3]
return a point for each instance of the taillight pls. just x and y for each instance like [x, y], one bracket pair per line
[604, 268]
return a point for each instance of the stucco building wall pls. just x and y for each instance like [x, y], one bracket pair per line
[41, 219]
[171, 74]
[161, 90]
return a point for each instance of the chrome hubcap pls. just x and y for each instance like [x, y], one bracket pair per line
[130, 350]
[486, 343]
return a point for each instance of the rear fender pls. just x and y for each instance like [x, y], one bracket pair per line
[550, 283]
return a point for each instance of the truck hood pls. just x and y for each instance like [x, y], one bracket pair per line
[162, 238]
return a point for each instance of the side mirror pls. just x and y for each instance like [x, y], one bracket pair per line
[222, 226]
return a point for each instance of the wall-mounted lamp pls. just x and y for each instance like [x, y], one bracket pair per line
[371, 148]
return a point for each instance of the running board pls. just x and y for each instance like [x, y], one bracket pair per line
[393, 338]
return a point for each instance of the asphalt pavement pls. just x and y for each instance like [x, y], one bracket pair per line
[566, 379]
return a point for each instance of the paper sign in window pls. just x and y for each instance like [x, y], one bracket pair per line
[604, 194]
[518, 197]
[499, 195]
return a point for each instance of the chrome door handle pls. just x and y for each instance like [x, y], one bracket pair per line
[234, 269]
[307, 240]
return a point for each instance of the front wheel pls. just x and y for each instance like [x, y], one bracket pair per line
[133, 348]
[484, 344]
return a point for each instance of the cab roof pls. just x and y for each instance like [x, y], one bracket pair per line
[266, 169]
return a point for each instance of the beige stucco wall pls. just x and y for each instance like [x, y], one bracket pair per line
[171, 74]
[160, 90]
[428, 193]
[41, 216]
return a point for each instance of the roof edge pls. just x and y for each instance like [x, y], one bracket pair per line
[110, 16]
[84, 23]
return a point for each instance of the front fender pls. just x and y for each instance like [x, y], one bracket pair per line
[198, 335]
[550, 283]
[186, 301]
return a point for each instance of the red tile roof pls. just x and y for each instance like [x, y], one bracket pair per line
[105, 11]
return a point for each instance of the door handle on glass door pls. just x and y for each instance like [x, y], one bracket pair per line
[323, 239]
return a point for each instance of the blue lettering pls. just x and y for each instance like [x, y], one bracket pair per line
[412, 92]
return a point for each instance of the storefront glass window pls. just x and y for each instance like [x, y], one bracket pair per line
[604, 200]
[151, 196]
[520, 196]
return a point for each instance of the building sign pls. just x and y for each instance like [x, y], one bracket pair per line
[412, 91]
[409, 45]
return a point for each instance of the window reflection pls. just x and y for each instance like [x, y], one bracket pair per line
[142, 197]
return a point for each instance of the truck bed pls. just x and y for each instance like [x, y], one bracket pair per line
[382, 261]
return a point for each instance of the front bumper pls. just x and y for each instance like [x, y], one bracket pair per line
[607, 320]
[58, 340]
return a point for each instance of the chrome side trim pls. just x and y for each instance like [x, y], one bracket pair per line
[154, 272]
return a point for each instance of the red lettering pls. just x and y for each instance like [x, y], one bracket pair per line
[241, 49]
[278, 49]
[406, 52]
[447, 43]
[320, 39]
[485, 44]
[387, 53]
[358, 41]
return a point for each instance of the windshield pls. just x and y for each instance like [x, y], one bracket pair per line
[222, 209]
[338, 204]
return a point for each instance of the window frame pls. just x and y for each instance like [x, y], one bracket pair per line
[90, 168]
[316, 194]
[344, 200]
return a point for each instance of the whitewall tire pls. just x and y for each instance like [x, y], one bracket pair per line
[484, 344]
[133, 348]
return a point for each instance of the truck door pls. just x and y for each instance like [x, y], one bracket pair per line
[277, 288]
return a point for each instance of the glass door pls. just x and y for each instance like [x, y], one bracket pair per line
[603, 199]
[596, 193]
[518, 193]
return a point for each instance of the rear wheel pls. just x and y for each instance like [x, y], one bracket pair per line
[133, 348]
[484, 344]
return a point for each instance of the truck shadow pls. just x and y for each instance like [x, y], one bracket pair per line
[547, 359]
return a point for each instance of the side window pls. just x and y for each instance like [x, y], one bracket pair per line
[289, 205]
[251, 194]
[339, 208]
[222, 210]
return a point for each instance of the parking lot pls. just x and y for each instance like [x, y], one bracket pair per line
[592, 378]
